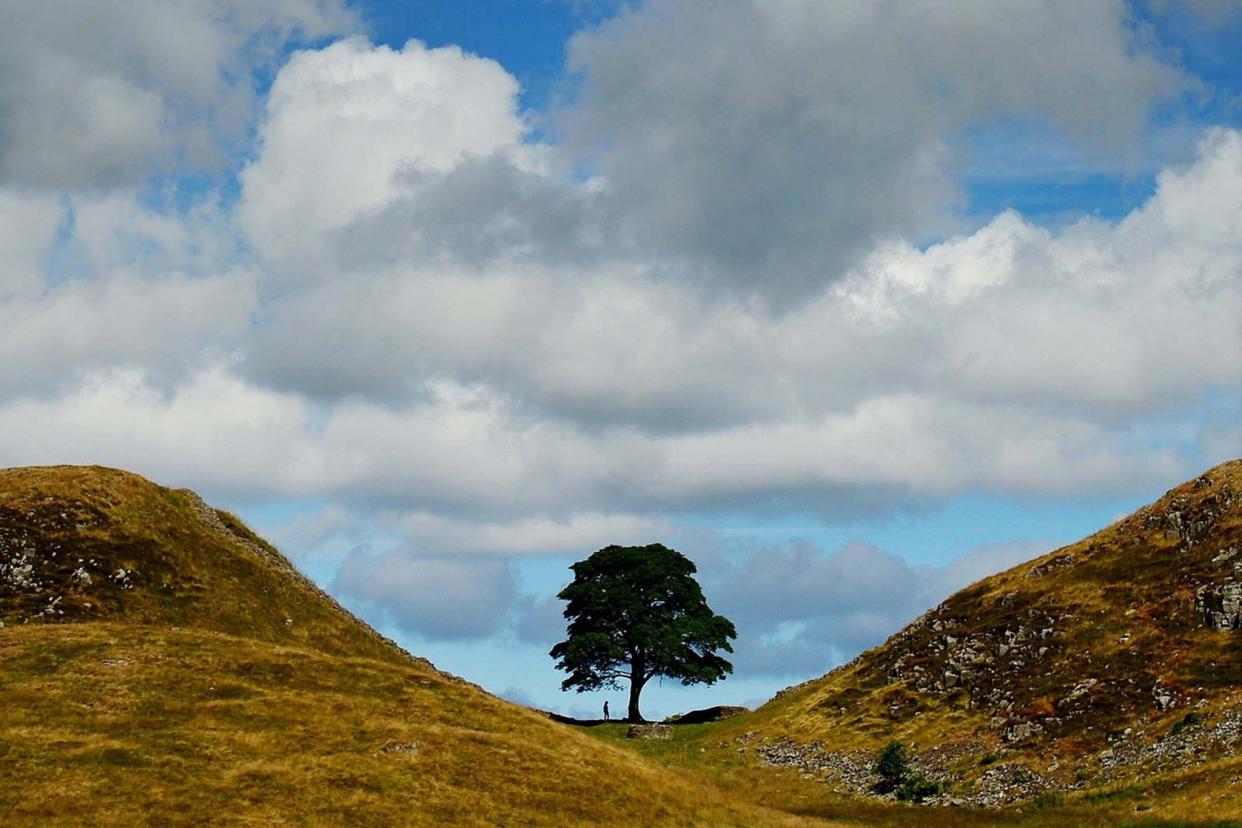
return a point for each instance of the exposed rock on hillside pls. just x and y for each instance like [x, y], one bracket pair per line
[159, 658]
[1070, 655]
[91, 543]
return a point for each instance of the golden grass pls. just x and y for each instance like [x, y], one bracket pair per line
[221, 687]
[1204, 797]
[115, 724]
[213, 684]
[1124, 607]
[184, 570]
[1124, 610]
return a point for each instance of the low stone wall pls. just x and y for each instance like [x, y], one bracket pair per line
[649, 732]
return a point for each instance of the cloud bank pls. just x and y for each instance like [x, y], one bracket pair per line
[735, 276]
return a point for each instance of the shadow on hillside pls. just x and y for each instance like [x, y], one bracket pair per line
[570, 720]
[707, 714]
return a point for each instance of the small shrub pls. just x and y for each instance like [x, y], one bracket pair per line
[1189, 720]
[990, 759]
[917, 789]
[893, 767]
[1129, 792]
[1050, 799]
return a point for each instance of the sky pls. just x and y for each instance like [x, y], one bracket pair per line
[852, 303]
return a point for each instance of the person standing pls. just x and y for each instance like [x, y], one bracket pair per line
[605, 711]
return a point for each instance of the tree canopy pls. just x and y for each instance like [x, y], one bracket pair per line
[636, 612]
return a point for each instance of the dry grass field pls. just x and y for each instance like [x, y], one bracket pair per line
[1179, 800]
[160, 664]
[208, 683]
[1088, 687]
[106, 723]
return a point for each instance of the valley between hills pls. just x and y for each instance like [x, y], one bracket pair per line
[162, 664]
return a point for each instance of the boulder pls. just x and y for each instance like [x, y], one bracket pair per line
[650, 732]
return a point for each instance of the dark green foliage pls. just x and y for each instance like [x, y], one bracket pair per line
[1189, 720]
[893, 767]
[917, 789]
[1049, 799]
[896, 776]
[1125, 792]
[636, 612]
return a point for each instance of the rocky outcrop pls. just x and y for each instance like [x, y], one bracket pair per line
[1074, 663]
[1219, 605]
[853, 771]
[709, 714]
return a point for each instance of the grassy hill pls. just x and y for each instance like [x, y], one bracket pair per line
[1106, 671]
[160, 664]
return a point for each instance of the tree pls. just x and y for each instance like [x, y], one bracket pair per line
[896, 775]
[893, 767]
[636, 612]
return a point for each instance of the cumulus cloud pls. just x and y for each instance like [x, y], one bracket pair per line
[1014, 359]
[986, 327]
[774, 142]
[97, 94]
[529, 536]
[415, 311]
[89, 283]
[212, 431]
[365, 119]
[29, 223]
[803, 610]
[439, 598]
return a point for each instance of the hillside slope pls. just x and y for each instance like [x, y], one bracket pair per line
[1108, 662]
[160, 664]
[92, 544]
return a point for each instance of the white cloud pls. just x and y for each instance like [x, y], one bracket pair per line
[774, 142]
[95, 282]
[28, 226]
[804, 610]
[213, 432]
[537, 386]
[434, 597]
[125, 231]
[96, 94]
[1079, 331]
[531, 535]
[344, 124]
[163, 326]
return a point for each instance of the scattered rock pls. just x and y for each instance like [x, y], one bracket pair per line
[1219, 606]
[1225, 554]
[406, 748]
[650, 732]
[709, 714]
[1017, 731]
[1051, 565]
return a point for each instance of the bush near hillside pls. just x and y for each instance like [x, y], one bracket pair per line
[896, 776]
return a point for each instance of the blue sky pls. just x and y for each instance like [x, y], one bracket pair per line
[527, 38]
[851, 304]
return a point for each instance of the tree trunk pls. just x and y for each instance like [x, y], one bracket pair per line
[636, 687]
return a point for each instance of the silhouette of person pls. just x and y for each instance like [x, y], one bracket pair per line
[605, 711]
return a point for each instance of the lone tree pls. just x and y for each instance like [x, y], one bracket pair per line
[636, 612]
[893, 767]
